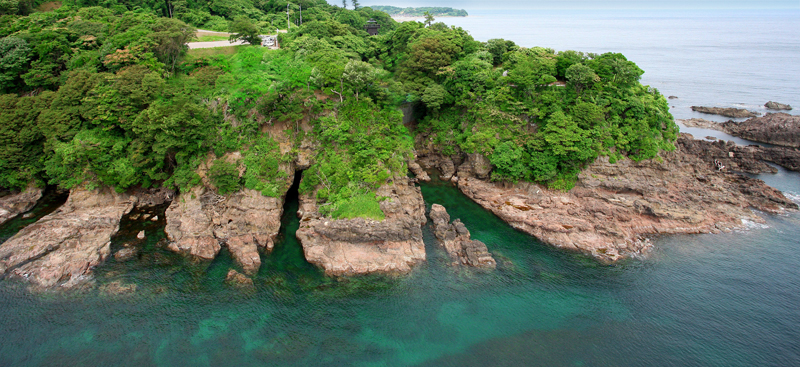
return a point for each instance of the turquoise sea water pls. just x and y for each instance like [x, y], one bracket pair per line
[700, 300]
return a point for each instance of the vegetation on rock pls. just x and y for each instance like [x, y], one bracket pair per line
[109, 96]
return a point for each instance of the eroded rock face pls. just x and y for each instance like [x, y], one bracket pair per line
[63, 247]
[362, 246]
[614, 207]
[774, 128]
[15, 204]
[199, 222]
[777, 106]
[417, 170]
[455, 239]
[725, 111]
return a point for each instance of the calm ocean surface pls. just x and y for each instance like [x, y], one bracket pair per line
[700, 300]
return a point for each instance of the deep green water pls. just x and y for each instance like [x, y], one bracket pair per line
[706, 300]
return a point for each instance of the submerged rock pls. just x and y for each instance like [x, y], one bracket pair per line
[126, 254]
[725, 111]
[614, 207]
[361, 246]
[199, 222]
[140, 235]
[777, 106]
[17, 203]
[237, 279]
[117, 288]
[455, 238]
[63, 247]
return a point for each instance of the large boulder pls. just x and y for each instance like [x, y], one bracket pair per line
[362, 246]
[63, 247]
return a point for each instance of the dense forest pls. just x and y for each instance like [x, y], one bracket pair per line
[420, 12]
[105, 92]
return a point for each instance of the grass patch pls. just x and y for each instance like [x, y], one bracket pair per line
[359, 206]
[210, 38]
[199, 53]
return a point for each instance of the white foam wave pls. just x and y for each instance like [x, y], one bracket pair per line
[749, 224]
[793, 196]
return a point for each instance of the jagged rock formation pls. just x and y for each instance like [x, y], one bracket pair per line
[417, 170]
[615, 207]
[774, 128]
[455, 238]
[747, 159]
[786, 157]
[18, 203]
[199, 222]
[362, 246]
[63, 247]
[725, 111]
[777, 106]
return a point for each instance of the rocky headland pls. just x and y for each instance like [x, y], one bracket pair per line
[362, 246]
[455, 239]
[615, 208]
[200, 222]
[725, 111]
[17, 203]
[63, 247]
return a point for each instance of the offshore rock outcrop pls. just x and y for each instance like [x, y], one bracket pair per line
[741, 158]
[362, 246]
[725, 111]
[200, 222]
[774, 128]
[63, 247]
[615, 207]
[455, 238]
[18, 203]
[777, 106]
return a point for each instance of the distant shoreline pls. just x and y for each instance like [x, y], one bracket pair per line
[407, 19]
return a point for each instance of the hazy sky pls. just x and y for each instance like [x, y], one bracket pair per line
[589, 4]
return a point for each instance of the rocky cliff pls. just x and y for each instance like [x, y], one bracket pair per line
[200, 222]
[361, 246]
[614, 208]
[17, 203]
[63, 247]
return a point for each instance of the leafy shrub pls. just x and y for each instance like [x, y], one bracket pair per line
[224, 176]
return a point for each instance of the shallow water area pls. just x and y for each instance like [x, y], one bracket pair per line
[692, 303]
